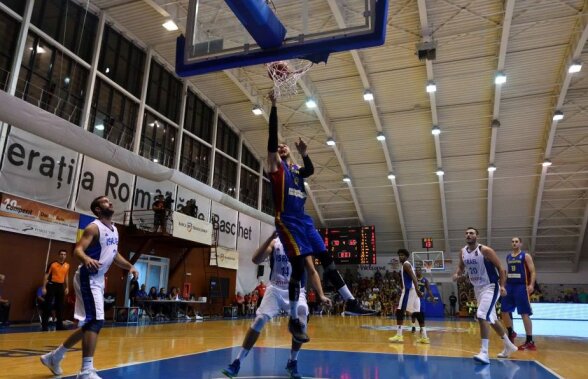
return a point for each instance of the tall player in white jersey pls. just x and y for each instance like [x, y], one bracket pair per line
[97, 249]
[488, 277]
[275, 300]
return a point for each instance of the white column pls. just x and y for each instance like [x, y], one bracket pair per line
[141, 114]
[180, 134]
[213, 151]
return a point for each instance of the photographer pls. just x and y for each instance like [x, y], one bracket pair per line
[160, 211]
[190, 209]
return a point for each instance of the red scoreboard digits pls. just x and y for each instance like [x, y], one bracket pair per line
[351, 245]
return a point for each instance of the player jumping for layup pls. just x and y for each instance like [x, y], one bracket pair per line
[295, 228]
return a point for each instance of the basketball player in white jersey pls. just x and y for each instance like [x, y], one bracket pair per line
[488, 277]
[97, 249]
[409, 299]
[275, 300]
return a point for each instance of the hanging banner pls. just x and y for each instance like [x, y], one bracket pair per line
[24, 216]
[191, 228]
[226, 218]
[227, 258]
[147, 190]
[35, 168]
[247, 243]
[98, 179]
[194, 203]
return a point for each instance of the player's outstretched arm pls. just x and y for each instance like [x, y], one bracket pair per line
[121, 262]
[264, 250]
[308, 168]
[273, 158]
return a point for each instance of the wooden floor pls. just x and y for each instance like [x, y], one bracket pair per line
[567, 357]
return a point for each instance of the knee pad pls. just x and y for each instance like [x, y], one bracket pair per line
[259, 322]
[93, 326]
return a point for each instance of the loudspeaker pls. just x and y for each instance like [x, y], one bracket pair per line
[260, 270]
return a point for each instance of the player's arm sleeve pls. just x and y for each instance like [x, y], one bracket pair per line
[308, 168]
[272, 142]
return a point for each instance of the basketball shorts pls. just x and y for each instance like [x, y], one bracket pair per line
[89, 297]
[486, 296]
[298, 235]
[409, 302]
[516, 297]
[276, 300]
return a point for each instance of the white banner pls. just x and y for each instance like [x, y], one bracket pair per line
[25, 216]
[191, 228]
[146, 190]
[227, 224]
[37, 169]
[227, 258]
[101, 179]
[247, 242]
[201, 203]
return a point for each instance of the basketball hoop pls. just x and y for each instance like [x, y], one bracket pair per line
[428, 265]
[285, 75]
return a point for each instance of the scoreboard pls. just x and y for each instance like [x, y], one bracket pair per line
[351, 245]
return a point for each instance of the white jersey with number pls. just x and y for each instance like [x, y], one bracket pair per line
[280, 266]
[480, 270]
[104, 250]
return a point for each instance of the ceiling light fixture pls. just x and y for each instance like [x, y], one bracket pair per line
[436, 130]
[500, 78]
[99, 126]
[310, 102]
[368, 95]
[440, 172]
[546, 163]
[431, 86]
[575, 67]
[170, 25]
[558, 116]
[391, 176]
[346, 179]
[257, 110]
[330, 141]
[381, 137]
[491, 168]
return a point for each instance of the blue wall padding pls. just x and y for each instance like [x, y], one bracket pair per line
[259, 20]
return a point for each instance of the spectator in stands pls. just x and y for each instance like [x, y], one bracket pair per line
[174, 294]
[152, 293]
[583, 296]
[260, 293]
[142, 294]
[162, 295]
[133, 290]
[575, 296]
[4, 304]
[159, 212]
[190, 209]
[378, 276]
[239, 302]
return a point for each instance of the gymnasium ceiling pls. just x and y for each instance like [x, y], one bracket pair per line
[532, 41]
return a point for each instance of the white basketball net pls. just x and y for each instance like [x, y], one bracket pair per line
[427, 265]
[285, 82]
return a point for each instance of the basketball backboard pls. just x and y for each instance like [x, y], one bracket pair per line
[235, 33]
[436, 257]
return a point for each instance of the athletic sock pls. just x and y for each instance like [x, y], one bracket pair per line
[242, 354]
[485, 345]
[60, 352]
[294, 355]
[529, 338]
[399, 330]
[345, 293]
[87, 363]
[424, 332]
[505, 339]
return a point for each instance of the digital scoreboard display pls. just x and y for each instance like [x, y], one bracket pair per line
[352, 245]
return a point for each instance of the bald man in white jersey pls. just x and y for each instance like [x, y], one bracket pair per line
[276, 299]
[97, 250]
[488, 277]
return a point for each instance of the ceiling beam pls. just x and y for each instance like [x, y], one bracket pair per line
[425, 29]
[574, 52]
[508, 12]
[577, 255]
[310, 90]
[338, 14]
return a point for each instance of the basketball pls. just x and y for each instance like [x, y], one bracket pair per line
[278, 70]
